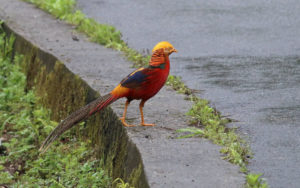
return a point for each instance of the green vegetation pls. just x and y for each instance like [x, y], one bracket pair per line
[213, 126]
[121, 184]
[176, 83]
[254, 181]
[210, 124]
[24, 124]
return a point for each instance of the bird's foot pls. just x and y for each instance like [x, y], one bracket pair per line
[147, 124]
[125, 124]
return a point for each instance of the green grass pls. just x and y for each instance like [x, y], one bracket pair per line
[255, 181]
[213, 126]
[176, 83]
[24, 124]
[210, 124]
[119, 183]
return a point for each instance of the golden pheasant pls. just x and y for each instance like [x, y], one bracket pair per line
[141, 84]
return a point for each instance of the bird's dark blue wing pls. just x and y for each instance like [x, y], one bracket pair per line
[135, 79]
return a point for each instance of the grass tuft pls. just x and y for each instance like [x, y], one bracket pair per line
[255, 181]
[177, 84]
[119, 183]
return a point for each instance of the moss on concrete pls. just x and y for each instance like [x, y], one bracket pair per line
[136, 173]
[63, 92]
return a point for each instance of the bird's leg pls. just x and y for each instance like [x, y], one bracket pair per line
[124, 115]
[142, 114]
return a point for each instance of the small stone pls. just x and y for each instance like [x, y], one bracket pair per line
[75, 38]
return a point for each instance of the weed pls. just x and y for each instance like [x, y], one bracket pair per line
[176, 83]
[6, 177]
[214, 128]
[119, 183]
[255, 181]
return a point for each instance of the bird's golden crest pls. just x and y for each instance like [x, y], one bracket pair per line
[163, 44]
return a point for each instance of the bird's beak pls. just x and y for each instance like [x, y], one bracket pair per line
[174, 50]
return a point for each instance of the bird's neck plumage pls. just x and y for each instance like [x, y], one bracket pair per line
[160, 59]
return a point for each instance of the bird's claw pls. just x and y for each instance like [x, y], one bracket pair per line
[125, 124]
[146, 124]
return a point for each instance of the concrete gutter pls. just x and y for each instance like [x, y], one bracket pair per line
[165, 161]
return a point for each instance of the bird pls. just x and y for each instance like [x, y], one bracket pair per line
[141, 84]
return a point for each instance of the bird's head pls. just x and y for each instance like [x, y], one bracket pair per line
[166, 46]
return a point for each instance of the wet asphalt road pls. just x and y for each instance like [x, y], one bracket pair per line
[245, 55]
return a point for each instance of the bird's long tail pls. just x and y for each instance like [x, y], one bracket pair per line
[76, 117]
